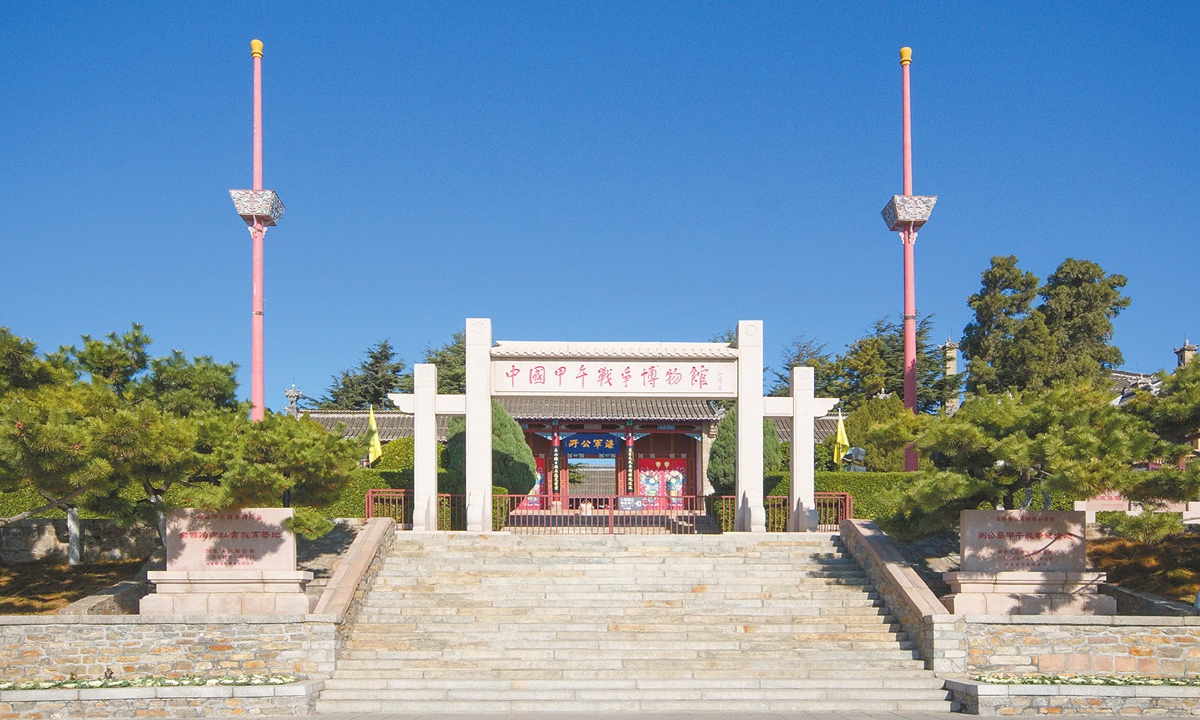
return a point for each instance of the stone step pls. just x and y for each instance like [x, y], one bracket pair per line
[663, 563]
[878, 683]
[690, 652]
[651, 632]
[396, 598]
[643, 657]
[607, 705]
[616, 669]
[633, 576]
[689, 613]
[488, 623]
[598, 593]
[535, 628]
[567, 690]
[898, 671]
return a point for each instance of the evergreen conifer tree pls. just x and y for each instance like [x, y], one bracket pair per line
[380, 373]
[513, 466]
[722, 458]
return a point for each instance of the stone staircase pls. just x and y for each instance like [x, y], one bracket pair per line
[470, 623]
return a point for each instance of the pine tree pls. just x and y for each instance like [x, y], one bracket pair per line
[1174, 411]
[451, 362]
[1079, 302]
[122, 435]
[368, 384]
[1066, 338]
[1000, 347]
[805, 352]
[873, 366]
[1021, 448]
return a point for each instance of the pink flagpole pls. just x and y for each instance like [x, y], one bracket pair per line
[257, 231]
[908, 238]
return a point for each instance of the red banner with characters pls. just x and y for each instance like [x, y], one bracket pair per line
[662, 477]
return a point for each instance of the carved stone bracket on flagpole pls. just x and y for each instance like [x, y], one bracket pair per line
[802, 407]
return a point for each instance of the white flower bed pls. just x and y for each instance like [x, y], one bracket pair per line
[149, 681]
[1113, 680]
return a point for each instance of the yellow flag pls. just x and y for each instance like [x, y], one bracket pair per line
[841, 445]
[375, 451]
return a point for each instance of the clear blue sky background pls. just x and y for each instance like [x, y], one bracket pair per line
[598, 171]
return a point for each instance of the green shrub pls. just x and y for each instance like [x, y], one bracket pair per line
[722, 458]
[397, 455]
[870, 490]
[1149, 527]
[776, 483]
[512, 460]
[351, 501]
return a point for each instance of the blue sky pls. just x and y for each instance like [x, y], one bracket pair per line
[583, 171]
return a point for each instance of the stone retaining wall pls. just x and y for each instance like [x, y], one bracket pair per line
[30, 540]
[1082, 644]
[52, 647]
[49, 647]
[176, 702]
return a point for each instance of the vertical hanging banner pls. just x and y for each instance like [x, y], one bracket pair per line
[629, 465]
[555, 474]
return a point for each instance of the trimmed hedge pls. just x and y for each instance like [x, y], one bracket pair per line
[870, 490]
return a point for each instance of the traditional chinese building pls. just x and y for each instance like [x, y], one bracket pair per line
[680, 430]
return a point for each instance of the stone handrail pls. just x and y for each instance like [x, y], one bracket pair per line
[938, 635]
[347, 580]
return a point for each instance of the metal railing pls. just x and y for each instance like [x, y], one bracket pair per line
[452, 512]
[600, 515]
[398, 505]
[607, 514]
[832, 509]
[390, 503]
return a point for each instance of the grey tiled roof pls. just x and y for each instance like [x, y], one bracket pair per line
[823, 427]
[646, 409]
[1125, 381]
[392, 424]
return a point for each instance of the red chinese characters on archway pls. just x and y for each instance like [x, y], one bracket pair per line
[715, 379]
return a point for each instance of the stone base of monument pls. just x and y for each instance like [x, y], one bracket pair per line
[228, 592]
[1027, 593]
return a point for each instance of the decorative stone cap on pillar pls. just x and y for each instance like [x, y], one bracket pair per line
[257, 206]
[908, 211]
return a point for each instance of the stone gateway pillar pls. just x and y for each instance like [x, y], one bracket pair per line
[424, 404]
[479, 424]
[805, 408]
[750, 515]
[425, 456]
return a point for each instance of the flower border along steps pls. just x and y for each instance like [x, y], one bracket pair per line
[296, 698]
[515, 623]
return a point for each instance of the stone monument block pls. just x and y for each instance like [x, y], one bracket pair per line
[1015, 540]
[1018, 562]
[229, 562]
